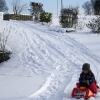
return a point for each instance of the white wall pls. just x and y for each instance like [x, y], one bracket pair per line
[1, 15]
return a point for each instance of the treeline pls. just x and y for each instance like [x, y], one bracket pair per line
[68, 16]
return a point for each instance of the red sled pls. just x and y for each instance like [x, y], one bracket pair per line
[82, 92]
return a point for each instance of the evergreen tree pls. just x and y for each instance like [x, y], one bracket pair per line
[68, 17]
[36, 9]
[45, 17]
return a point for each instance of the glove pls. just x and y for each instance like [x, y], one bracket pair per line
[86, 82]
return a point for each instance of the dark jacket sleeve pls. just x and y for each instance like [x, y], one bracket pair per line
[91, 78]
[81, 78]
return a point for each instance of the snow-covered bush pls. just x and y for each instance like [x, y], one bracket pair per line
[4, 53]
[80, 25]
[94, 24]
[45, 17]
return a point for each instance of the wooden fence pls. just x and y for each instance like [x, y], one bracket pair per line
[18, 17]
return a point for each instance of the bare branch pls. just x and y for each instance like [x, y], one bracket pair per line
[4, 35]
[18, 6]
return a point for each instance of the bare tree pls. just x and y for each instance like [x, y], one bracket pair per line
[4, 39]
[88, 8]
[3, 6]
[18, 6]
[96, 6]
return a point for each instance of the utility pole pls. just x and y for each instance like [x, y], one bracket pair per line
[61, 4]
[57, 7]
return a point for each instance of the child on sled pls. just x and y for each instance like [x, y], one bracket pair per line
[87, 78]
[87, 84]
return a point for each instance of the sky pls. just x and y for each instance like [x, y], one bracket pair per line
[51, 5]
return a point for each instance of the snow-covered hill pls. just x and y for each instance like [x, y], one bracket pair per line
[50, 60]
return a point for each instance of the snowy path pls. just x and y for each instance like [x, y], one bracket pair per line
[56, 57]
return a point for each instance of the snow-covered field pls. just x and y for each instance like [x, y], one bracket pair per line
[45, 64]
[90, 40]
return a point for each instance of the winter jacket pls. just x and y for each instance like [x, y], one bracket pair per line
[86, 79]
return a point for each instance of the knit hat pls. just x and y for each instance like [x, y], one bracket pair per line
[86, 67]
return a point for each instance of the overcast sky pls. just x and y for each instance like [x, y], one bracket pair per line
[51, 5]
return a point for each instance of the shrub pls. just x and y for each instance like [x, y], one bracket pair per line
[4, 54]
[94, 25]
[45, 17]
